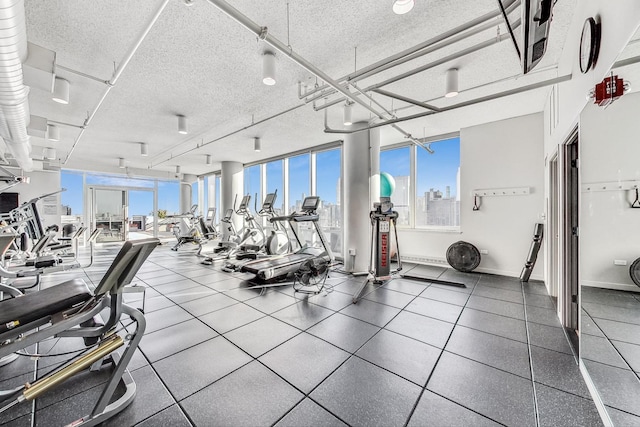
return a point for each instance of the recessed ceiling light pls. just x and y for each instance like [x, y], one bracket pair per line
[400, 7]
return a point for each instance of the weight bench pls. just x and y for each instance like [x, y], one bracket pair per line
[70, 309]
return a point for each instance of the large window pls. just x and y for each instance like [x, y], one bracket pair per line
[437, 185]
[252, 180]
[328, 187]
[397, 163]
[72, 199]
[169, 197]
[299, 180]
[275, 181]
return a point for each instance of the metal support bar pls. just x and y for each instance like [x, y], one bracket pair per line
[406, 99]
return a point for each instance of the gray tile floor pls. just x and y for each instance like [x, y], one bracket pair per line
[610, 345]
[409, 353]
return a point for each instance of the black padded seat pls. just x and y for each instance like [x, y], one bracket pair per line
[37, 305]
[45, 261]
[59, 246]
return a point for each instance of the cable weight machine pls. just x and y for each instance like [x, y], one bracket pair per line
[383, 225]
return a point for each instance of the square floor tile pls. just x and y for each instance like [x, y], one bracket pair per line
[549, 337]
[389, 297]
[436, 309]
[332, 300]
[599, 349]
[343, 331]
[499, 293]
[170, 417]
[231, 317]
[304, 361]
[411, 359]
[621, 418]
[558, 370]
[407, 286]
[620, 331]
[557, 408]
[422, 328]
[166, 317]
[251, 396]
[434, 410]
[362, 394]
[181, 296]
[207, 304]
[271, 301]
[445, 295]
[309, 413]
[192, 369]
[498, 352]
[371, 312]
[630, 353]
[169, 279]
[302, 315]
[256, 338]
[542, 301]
[620, 314]
[503, 397]
[496, 324]
[617, 387]
[495, 306]
[543, 316]
[153, 304]
[173, 339]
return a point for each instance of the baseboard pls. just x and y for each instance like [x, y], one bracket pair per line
[442, 262]
[610, 285]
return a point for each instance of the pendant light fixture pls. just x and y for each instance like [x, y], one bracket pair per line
[346, 114]
[400, 7]
[177, 168]
[121, 163]
[269, 68]
[257, 144]
[49, 153]
[208, 159]
[60, 90]
[452, 83]
[182, 125]
[144, 149]
[53, 133]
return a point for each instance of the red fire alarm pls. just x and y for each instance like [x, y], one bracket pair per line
[608, 90]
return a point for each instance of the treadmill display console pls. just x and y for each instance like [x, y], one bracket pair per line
[310, 204]
[227, 215]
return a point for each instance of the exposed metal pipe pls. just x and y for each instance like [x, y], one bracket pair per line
[80, 73]
[502, 94]
[14, 101]
[407, 100]
[437, 62]
[116, 75]
[394, 60]
[262, 33]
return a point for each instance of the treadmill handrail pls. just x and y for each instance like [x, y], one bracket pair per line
[297, 217]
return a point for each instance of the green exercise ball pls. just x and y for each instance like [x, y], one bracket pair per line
[387, 184]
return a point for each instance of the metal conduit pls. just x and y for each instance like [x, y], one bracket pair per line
[527, 88]
[263, 34]
[111, 83]
[389, 62]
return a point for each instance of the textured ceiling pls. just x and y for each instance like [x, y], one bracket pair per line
[198, 62]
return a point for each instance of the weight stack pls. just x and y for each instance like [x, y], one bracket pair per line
[538, 232]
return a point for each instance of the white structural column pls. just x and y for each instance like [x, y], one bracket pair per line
[361, 152]
[232, 182]
[185, 200]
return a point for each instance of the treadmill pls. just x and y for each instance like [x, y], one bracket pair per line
[277, 267]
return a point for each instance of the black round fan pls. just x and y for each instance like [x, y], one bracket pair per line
[311, 274]
[634, 272]
[463, 256]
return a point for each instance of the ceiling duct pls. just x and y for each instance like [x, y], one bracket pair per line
[14, 102]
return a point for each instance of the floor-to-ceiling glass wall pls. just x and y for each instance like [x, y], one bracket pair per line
[329, 187]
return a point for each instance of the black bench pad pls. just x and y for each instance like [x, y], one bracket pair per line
[37, 305]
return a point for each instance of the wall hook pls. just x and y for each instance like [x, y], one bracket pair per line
[476, 206]
[636, 202]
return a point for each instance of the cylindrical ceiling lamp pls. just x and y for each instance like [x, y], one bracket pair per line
[269, 68]
[53, 133]
[400, 7]
[452, 83]
[177, 168]
[60, 91]
[257, 144]
[208, 159]
[144, 149]
[346, 114]
[121, 163]
[182, 125]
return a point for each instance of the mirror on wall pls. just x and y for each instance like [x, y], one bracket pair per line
[610, 243]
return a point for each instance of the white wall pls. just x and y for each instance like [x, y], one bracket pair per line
[609, 228]
[41, 183]
[508, 153]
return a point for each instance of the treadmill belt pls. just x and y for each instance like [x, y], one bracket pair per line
[255, 267]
